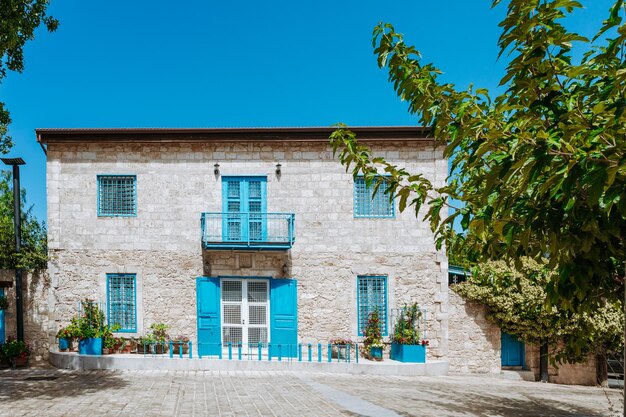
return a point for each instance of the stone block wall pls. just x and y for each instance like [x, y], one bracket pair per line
[567, 373]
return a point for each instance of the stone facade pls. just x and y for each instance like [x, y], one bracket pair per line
[176, 183]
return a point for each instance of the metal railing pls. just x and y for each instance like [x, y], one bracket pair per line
[248, 229]
[301, 352]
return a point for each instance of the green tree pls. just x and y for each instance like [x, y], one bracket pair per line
[18, 21]
[34, 249]
[514, 298]
[540, 169]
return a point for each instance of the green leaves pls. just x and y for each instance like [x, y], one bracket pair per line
[541, 169]
[18, 21]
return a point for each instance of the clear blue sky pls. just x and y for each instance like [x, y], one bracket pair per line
[237, 64]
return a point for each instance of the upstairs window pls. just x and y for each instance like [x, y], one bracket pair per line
[366, 206]
[117, 195]
[122, 301]
[371, 295]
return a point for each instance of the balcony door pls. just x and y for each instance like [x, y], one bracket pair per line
[244, 203]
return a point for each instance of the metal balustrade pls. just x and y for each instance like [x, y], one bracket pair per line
[301, 352]
[237, 230]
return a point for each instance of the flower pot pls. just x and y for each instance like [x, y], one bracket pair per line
[125, 348]
[152, 348]
[376, 353]
[408, 353]
[90, 346]
[177, 345]
[65, 344]
[19, 362]
[340, 351]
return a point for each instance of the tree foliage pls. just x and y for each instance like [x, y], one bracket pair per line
[18, 21]
[540, 169]
[514, 300]
[34, 248]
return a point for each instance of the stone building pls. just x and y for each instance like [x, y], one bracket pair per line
[238, 235]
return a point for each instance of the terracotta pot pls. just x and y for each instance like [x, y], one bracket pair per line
[19, 362]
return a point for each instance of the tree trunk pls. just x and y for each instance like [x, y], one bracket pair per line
[602, 374]
[543, 362]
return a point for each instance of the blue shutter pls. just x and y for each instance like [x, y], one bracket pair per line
[2, 334]
[284, 316]
[208, 302]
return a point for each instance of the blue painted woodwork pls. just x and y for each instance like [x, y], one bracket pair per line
[408, 353]
[367, 204]
[208, 313]
[90, 346]
[2, 328]
[122, 301]
[512, 350]
[278, 230]
[117, 195]
[284, 316]
[371, 295]
[244, 195]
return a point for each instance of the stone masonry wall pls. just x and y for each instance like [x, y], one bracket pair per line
[568, 374]
[39, 330]
[474, 341]
[176, 183]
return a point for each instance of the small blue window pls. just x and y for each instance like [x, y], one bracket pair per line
[371, 295]
[122, 301]
[117, 195]
[367, 206]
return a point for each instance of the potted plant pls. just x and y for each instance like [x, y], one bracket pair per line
[145, 344]
[110, 343]
[339, 347]
[127, 345]
[90, 329]
[17, 352]
[159, 331]
[406, 345]
[65, 337]
[180, 342]
[373, 341]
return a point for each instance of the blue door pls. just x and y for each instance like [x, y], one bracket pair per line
[243, 198]
[284, 317]
[208, 304]
[2, 331]
[512, 350]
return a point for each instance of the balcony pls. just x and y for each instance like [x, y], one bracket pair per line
[252, 231]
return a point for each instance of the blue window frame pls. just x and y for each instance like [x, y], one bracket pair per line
[122, 301]
[117, 195]
[368, 205]
[371, 295]
[244, 201]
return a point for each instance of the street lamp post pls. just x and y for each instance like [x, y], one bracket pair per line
[17, 221]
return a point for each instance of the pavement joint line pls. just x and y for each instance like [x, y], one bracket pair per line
[349, 402]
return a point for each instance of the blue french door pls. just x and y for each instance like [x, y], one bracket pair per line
[245, 207]
[512, 350]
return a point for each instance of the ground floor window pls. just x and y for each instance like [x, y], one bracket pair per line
[371, 295]
[122, 301]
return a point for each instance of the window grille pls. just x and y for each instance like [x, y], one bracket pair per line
[122, 301]
[372, 295]
[367, 206]
[117, 195]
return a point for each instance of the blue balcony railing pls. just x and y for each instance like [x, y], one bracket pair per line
[267, 231]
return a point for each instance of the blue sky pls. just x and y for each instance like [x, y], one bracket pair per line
[238, 64]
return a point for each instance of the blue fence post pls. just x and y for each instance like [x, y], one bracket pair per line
[330, 355]
[230, 351]
[357, 353]
[190, 355]
[239, 350]
[199, 351]
[269, 351]
[299, 352]
[171, 349]
[319, 352]
[260, 351]
[280, 353]
[348, 353]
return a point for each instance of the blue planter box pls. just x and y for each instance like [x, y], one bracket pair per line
[408, 353]
[91, 346]
[64, 344]
[376, 353]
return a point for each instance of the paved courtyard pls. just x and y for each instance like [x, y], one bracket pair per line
[51, 392]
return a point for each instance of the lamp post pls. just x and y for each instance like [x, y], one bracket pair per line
[17, 221]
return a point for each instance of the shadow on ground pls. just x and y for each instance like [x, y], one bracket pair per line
[17, 385]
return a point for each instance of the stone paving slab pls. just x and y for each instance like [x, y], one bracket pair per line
[52, 392]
